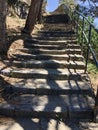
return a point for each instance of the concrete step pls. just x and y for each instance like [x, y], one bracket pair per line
[47, 87]
[51, 47]
[50, 42]
[73, 46]
[46, 64]
[44, 37]
[39, 56]
[73, 106]
[59, 74]
[53, 35]
[42, 51]
[64, 25]
[47, 57]
[57, 19]
[48, 32]
[46, 46]
[73, 51]
[46, 51]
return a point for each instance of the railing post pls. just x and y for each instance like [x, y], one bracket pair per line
[74, 18]
[96, 107]
[82, 32]
[77, 24]
[88, 49]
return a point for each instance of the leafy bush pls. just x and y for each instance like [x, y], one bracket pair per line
[12, 2]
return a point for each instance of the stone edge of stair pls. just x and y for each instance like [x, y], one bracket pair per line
[44, 91]
[18, 74]
[13, 111]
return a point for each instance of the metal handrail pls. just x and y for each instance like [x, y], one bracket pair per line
[84, 36]
[76, 11]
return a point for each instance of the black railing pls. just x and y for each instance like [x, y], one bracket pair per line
[84, 28]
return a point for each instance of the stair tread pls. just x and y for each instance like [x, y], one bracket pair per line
[60, 57]
[51, 41]
[47, 50]
[40, 50]
[47, 45]
[53, 74]
[51, 55]
[69, 105]
[47, 36]
[46, 62]
[42, 71]
[44, 84]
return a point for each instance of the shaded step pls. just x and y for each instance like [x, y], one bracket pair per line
[39, 46]
[59, 74]
[47, 87]
[67, 107]
[54, 34]
[57, 19]
[46, 64]
[42, 51]
[51, 47]
[51, 42]
[57, 27]
[39, 56]
[73, 51]
[49, 35]
[73, 46]
[47, 57]
[76, 57]
[46, 51]
[44, 37]
[47, 32]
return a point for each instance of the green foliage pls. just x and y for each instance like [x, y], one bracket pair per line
[94, 36]
[70, 3]
[92, 68]
[12, 2]
[94, 43]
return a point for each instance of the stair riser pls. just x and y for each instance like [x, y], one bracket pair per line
[59, 47]
[35, 52]
[40, 57]
[46, 36]
[54, 38]
[74, 52]
[43, 76]
[55, 35]
[25, 112]
[42, 52]
[46, 91]
[47, 42]
[48, 58]
[65, 33]
[47, 65]
[44, 47]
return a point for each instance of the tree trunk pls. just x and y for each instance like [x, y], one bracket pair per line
[32, 16]
[39, 17]
[3, 7]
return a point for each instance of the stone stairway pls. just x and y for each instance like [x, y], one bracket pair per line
[44, 77]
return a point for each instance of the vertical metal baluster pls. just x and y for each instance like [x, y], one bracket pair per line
[88, 50]
[77, 24]
[82, 33]
[74, 21]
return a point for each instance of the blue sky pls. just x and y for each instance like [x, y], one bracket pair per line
[52, 5]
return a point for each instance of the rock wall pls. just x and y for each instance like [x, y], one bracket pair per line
[3, 8]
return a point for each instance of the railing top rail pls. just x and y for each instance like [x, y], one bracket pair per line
[76, 11]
